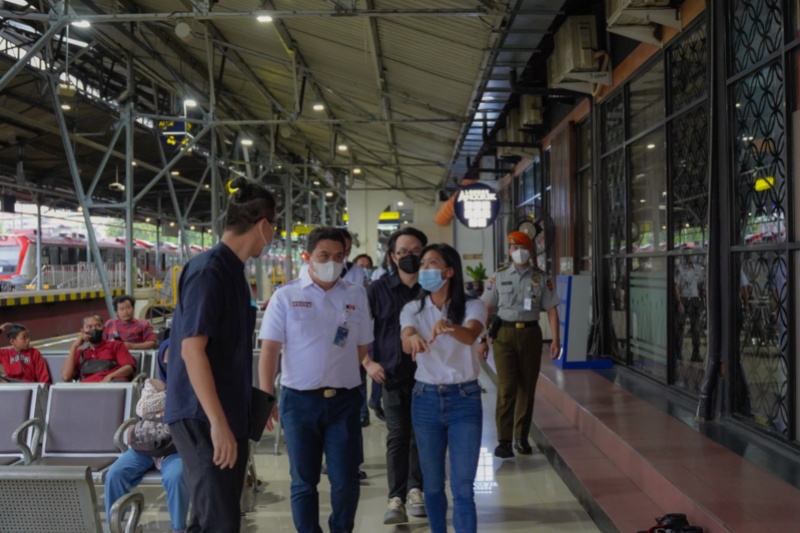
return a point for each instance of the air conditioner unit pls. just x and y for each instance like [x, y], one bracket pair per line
[514, 133]
[573, 63]
[531, 110]
[637, 19]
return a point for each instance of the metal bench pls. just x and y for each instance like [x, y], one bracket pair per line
[20, 422]
[46, 499]
[81, 425]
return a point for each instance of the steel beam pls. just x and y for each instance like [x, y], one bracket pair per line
[223, 15]
[31, 52]
[118, 127]
[78, 184]
[306, 120]
[168, 167]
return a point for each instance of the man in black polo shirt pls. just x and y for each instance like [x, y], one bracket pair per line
[211, 362]
[395, 370]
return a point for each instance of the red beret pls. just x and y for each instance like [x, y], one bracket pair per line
[517, 237]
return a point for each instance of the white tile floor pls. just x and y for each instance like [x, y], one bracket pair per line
[521, 494]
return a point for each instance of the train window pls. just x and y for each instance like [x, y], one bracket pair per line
[9, 259]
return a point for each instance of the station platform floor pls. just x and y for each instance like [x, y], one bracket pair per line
[612, 452]
[520, 494]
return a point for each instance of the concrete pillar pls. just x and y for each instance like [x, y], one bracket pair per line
[363, 211]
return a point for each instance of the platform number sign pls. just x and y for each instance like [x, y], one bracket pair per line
[477, 206]
[175, 133]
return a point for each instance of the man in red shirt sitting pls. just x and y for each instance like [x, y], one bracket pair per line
[93, 360]
[136, 334]
[21, 362]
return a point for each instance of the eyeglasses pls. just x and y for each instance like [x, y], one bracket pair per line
[402, 252]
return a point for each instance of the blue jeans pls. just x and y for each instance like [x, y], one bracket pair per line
[314, 424]
[449, 416]
[127, 472]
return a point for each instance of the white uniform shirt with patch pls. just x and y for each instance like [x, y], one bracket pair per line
[305, 318]
[449, 361]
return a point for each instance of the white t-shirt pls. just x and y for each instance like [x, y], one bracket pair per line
[449, 361]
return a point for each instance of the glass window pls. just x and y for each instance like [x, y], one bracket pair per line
[756, 31]
[647, 99]
[688, 62]
[583, 135]
[760, 381]
[9, 258]
[794, 120]
[689, 184]
[648, 194]
[614, 122]
[648, 315]
[617, 270]
[615, 202]
[759, 139]
[527, 182]
[585, 220]
[690, 319]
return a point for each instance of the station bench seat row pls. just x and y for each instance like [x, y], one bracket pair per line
[57, 453]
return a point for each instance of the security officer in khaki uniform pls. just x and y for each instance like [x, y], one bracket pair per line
[518, 292]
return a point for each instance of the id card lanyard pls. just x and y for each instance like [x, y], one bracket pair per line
[342, 332]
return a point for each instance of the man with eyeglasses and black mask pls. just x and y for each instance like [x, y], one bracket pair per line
[395, 371]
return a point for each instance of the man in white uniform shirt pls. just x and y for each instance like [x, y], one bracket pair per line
[323, 325]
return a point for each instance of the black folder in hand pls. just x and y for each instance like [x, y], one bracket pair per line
[261, 405]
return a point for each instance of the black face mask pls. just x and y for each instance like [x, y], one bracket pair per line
[409, 264]
[96, 336]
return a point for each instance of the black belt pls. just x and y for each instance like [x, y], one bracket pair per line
[520, 325]
[325, 392]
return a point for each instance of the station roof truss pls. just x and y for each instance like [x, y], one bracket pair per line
[396, 82]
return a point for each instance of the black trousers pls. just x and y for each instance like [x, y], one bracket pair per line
[402, 459]
[214, 493]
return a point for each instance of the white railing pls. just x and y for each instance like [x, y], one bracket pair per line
[80, 276]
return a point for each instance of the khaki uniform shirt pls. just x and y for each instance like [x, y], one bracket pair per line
[509, 287]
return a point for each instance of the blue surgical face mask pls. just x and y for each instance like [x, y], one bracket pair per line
[431, 280]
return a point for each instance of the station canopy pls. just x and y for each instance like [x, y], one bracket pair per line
[358, 93]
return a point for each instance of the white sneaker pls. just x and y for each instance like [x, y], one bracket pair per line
[416, 503]
[395, 512]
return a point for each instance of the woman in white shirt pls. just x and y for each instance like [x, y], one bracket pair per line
[440, 331]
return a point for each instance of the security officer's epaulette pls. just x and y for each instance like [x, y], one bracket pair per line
[502, 267]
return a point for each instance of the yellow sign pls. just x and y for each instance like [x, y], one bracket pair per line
[764, 184]
[390, 215]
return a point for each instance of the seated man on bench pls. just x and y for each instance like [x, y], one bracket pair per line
[93, 360]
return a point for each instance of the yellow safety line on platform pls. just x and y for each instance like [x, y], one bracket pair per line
[10, 301]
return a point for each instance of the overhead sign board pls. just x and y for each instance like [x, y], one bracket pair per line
[477, 206]
[175, 133]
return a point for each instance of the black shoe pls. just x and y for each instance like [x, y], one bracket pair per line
[504, 450]
[523, 448]
[364, 421]
[379, 414]
[362, 475]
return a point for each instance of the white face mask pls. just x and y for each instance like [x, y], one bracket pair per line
[520, 256]
[327, 272]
